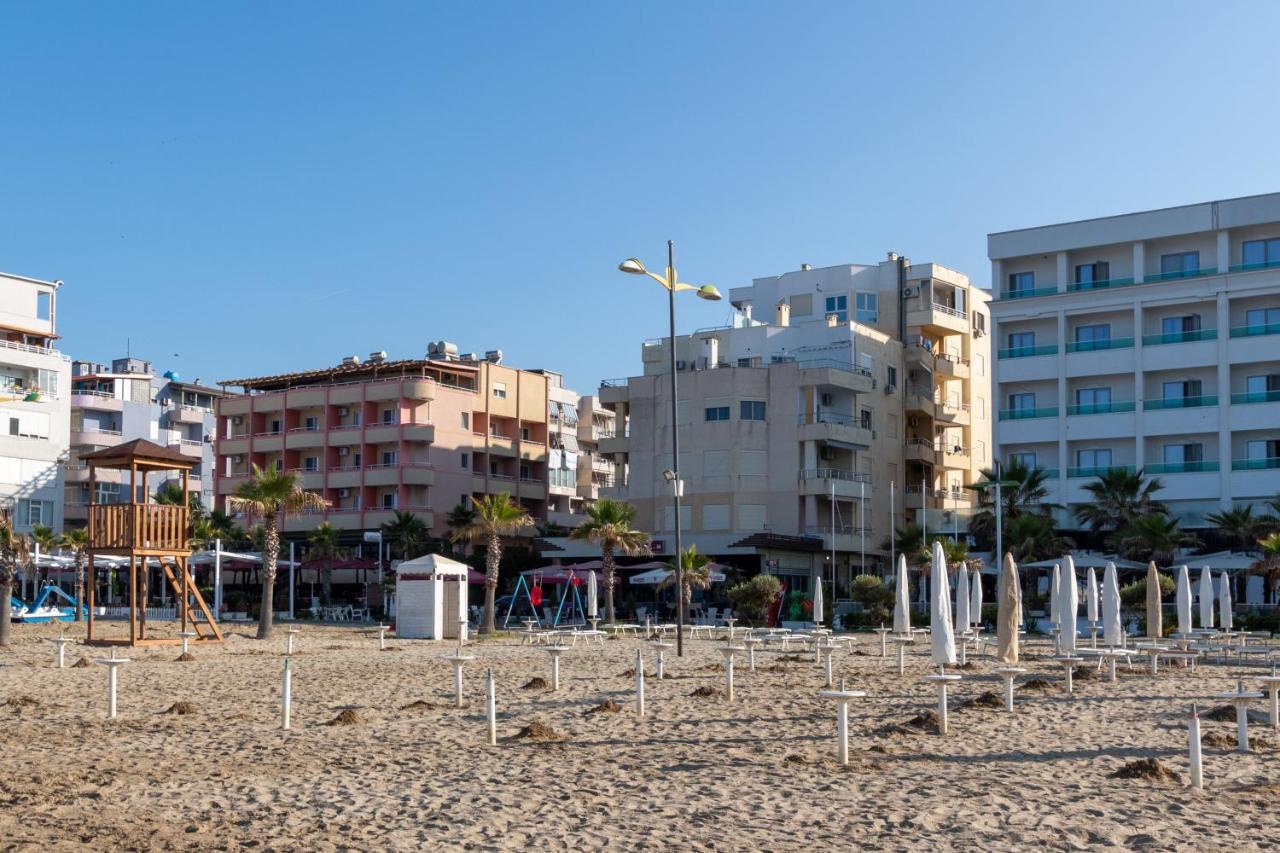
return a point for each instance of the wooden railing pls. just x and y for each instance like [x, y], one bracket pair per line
[144, 527]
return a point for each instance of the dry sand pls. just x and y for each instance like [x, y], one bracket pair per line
[413, 772]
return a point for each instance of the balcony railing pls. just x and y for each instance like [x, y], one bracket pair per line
[1181, 402]
[33, 349]
[1100, 408]
[840, 530]
[1108, 343]
[831, 418]
[89, 428]
[1255, 397]
[1027, 352]
[1180, 467]
[1096, 470]
[1099, 285]
[816, 363]
[1265, 464]
[1029, 292]
[1174, 276]
[833, 474]
[141, 526]
[1028, 414]
[1265, 265]
[947, 309]
[1256, 330]
[1179, 337]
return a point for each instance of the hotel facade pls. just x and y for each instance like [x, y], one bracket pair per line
[1144, 341]
[838, 402]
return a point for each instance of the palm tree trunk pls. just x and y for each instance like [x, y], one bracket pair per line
[610, 578]
[493, 556]
[327, 591]
[6, 611]
[270, 553]
[80, 567]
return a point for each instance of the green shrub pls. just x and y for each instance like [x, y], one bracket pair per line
[751, 599]
[1134, 596]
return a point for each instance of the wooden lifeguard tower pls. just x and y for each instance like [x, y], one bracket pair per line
[143, 531]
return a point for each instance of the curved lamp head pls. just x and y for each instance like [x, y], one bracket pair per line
[632, 266]
[709, 293]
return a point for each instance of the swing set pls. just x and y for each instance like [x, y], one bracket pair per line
[529, 597]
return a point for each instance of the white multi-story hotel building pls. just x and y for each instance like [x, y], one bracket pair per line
[34, 402]
[1149, 340]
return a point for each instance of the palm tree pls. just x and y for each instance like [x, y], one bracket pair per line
[1032, 537]
[224, 526]
[78, 541]
[1119, 496]
[14, 551]
[608, 525]
[459, 518]
[271, 495]
[43, 537]
[1152, 537]
[495, 516]
[697, 572]
[323, 541]
[1023, 490]
[1268, 565]
[1240, 526]
[909, 540]
[409, 530]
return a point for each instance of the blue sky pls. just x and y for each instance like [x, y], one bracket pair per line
[259, 187]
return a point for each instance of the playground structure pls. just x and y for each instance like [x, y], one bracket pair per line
[140, 530]
[39, 610]
[530, 598]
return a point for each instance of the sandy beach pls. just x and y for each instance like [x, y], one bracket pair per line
[697, 773]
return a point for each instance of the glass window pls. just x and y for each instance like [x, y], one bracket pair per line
[1262, 317]
[1262, 449]
[1022, 282]
[1093, 334]
[275, 426]
[891, 376]
[864, 419]
[311, 424]
[1258, 252]
[1026, 458]
[466, 460]
[1022, 340]
[1094, 398]
[1091, 273]
[1094, 458]
[389, 457]
[1179, 263]
[389, 500]
[1180, 325]
[838, 305]
[717, 413]
[311, 463]
[500, 389]
[1181, 390]
[1022, 402]
[752, 410]
[388, 416]
[1180, 453]
[466, 420]
[868, 307]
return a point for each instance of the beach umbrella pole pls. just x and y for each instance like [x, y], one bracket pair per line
[491, 711]
[1193, 749]
[286, 695]
[902, 658]
[639, 683]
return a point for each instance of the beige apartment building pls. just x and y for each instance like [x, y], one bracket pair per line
[375, 436]
[838, 402]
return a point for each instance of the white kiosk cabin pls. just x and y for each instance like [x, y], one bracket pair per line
[431, 598]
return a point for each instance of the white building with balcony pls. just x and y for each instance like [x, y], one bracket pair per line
[1148, 340]
[34, 402]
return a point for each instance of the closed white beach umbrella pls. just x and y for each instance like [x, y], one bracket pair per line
[1224, 602]
[975, 599]
[902, 600]
[1055, 591]
[817, 601]
[593, 596]
[1091, 595]
[1206, 598]
[962, 599]
[1068, 608]
[1184, 601]
[944, 644]
[1155, 612]
[1110, 607]
[1008, 612]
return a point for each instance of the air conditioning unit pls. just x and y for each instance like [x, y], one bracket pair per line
[343, 411]
[977, 333]
[957, 449]
[908, 292]
[825, 399]
[344, 493]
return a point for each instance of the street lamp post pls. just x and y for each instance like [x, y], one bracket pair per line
[706, 291]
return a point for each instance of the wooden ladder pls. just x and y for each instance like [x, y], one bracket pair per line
[210, 624]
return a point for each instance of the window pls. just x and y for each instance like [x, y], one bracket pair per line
[1176, 454]
[33, 512]
[1022, 282]
[866, 362]
[1026, 458]
[1264, 386]
[526, 473]
[357, 418]
[1262, 317]
[1179, 263]
[715, 517]
[1091, 400]
[311, 463]
[1095, 459]
[44, 303]
[1181, 390]
[752, 410]
[389, 500]
[356, 460]
[1020, 341]
[1089, 274]
[753, 361]
[311, 424]
[1180, 325]
[752, 463]
[525, 434]
[864, 418]
[1262, 449]
[717, 413]
[891, 376]
[751, 516]
[1093, 337]
[276, 426]
[1024, 402]
[867, 306]
[466, 420]
[715, 463]
[466, 460]
[279, 465]
[838, 305]
[801, 304]
[495, 429]
[389, 416]
[389, 457]
[1252, 253]
[500, 390]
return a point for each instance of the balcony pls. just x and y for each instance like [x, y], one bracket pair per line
[1256, 331]
[533, 488]
[832, 426]
[268, 442]
[1100, 408]
[1095, 471]
[614, 391]
[952, 410]
[1180, 403]
[1174, 276]
[947, 364]
[382, 433]
[418, 475]
[567, 520]
[1247, 397]
[345, 436]
[1179, 467]
[1099, 285]
[615, 444]
[232, 406]
[954, 456]
[1160, 338]
[344, 478]
[1029, 292]
[189, 414]
[188, 447]
[832, 373]
[96, 437]
[1107, 344]
[382, 475]
[419, 432]
[98, 400]
[937, 317]
[920, 450]
[821, 481]
[304, 438]
[1268, 464]
[501, 445]
[1027, 352]
[1264, 265]
[306, 398]
[918, 398]
[1028, 414]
